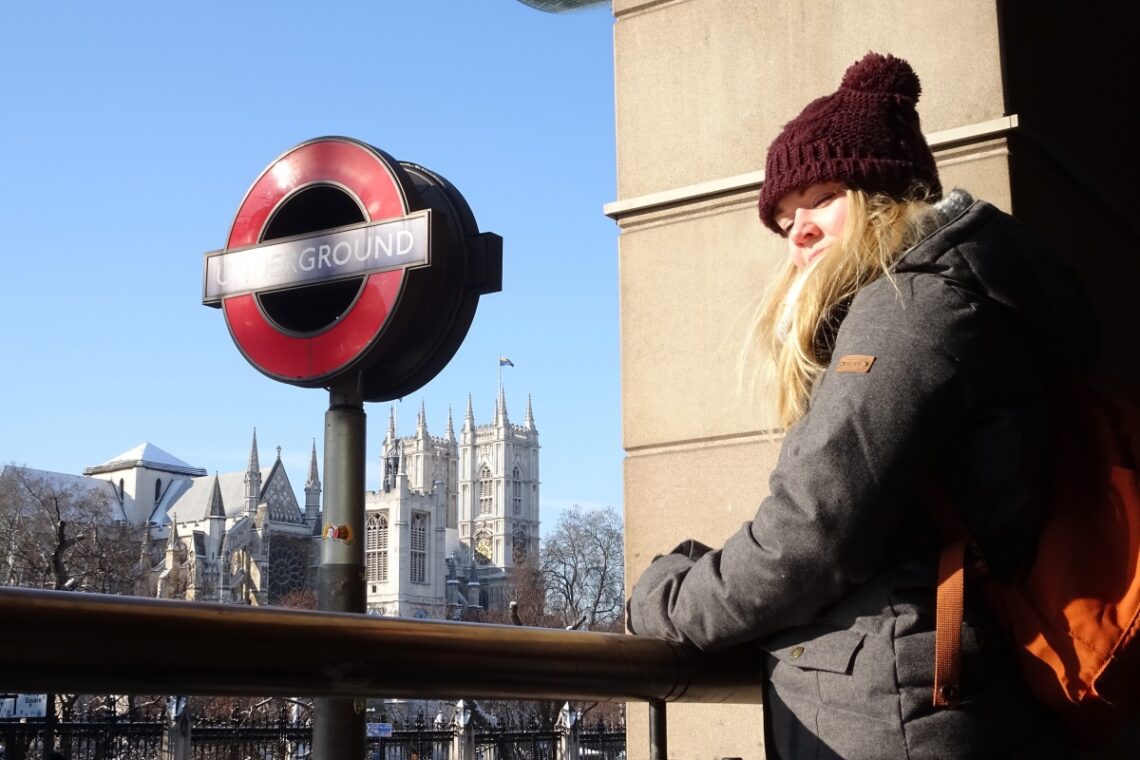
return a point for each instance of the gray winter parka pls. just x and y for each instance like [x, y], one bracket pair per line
[835, 576]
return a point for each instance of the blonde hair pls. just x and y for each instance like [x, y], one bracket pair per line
[800, 314]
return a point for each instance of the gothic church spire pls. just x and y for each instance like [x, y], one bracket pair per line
[313, 490]
[252, 478]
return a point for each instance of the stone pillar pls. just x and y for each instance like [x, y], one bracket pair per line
[1021, 109]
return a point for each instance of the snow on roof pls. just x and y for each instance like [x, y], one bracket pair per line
[147, 455]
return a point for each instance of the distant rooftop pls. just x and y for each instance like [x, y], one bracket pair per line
[146, 455]
[563, 6]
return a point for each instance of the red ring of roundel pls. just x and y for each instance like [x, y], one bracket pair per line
[321, 355]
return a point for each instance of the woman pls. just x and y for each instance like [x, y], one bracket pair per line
[913, 338]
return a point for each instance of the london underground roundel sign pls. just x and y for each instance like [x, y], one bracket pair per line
[342, 261]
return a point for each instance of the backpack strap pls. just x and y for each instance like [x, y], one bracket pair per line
[948, 624]
[958, 562]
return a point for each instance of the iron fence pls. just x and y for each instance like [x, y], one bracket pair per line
[126, 739]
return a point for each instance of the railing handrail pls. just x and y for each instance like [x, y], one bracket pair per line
[56, 641]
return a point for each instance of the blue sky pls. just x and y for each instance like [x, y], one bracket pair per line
[129, 134]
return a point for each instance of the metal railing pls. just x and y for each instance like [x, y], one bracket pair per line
[52, 641]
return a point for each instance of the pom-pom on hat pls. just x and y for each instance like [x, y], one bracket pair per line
[866, 134]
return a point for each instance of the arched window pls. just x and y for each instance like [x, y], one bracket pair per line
[516, 493]
[486, 491]
[157, 489]
[519, 547]
[376, 547]
[419, 547]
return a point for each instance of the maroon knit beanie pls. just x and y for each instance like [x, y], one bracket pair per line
[866, 134]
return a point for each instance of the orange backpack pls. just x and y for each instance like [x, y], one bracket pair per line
[1074, 614]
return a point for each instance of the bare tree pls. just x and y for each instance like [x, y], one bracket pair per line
[582, 569]
[577, 583]
[301, 599]
[59, 534]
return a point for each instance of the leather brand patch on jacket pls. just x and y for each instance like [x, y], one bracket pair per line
[855, 363]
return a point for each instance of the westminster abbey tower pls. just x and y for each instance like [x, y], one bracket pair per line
[452, 515]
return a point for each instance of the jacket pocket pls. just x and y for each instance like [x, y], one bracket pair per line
[828, 650]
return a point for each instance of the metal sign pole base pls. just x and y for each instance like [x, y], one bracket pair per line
[339, 724]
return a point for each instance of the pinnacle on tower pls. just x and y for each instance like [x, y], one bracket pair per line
[254, 465]
[450, 425]
[252, 478]
[313, 490]
[314, 478]
[501, 408]
[144, 552]
[528, 423]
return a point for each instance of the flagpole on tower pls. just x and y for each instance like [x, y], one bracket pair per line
[503, 361]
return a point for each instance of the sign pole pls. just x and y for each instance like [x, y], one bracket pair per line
[339, 724]
[348, 270]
